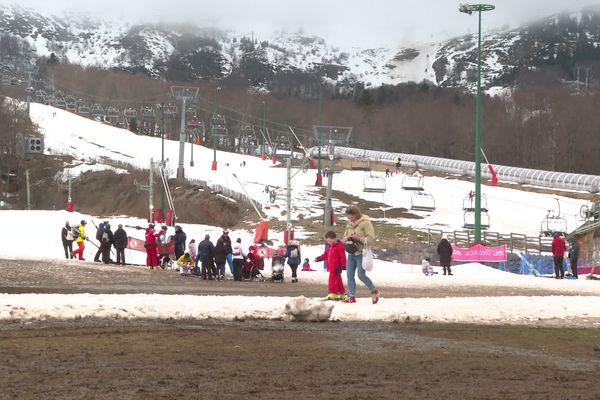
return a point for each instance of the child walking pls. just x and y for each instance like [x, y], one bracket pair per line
[335, 255]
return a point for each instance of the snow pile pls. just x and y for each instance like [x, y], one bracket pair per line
[308, 310]
[479, 310]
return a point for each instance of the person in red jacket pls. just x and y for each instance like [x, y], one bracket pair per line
[558, 252]
[335, 255]
[150, 245]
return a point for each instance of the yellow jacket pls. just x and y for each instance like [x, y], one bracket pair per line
[81, 229]
[183, 261]
[362, 229]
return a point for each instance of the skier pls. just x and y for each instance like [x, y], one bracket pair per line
[206, 255]
[359, 232]
[398, 165]
[67, 240]
[558, 248]
[293, 258]
[106, 242]
[388, 173]
[444, 249]
[79, 236]
[120, 242]
[336, 262]
[150, 245]
[99, 232]
[180, 238]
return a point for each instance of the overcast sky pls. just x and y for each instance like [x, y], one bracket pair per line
[364, 23]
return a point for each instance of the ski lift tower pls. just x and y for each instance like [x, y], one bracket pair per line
[331, 135]
[184, 94]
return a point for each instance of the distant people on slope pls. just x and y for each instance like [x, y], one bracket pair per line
[444, 250]
[574, 256]
[106, 242]
[79, 236]
[180, 238]
[120, 242]
[558, 248]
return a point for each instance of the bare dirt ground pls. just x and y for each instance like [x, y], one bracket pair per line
[215, 359]
[278, 360]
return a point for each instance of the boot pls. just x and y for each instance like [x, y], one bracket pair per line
[375, 294]
[350, 299]
[444, 270]
[449, 271]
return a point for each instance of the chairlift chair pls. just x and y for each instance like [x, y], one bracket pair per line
[553, 223]
[61, 103]
[97, 111]
[83, 109]
[113, 113]
[148, 112]
[130, 113]
[374, 184]
[413, 182]
[422, 201]
[469, 202]
[469, 219]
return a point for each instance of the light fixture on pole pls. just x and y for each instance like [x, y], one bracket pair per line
[213, 134]
[470, 9]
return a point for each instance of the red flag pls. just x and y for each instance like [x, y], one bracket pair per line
[136, 244]
[494, 176]
[262, 232]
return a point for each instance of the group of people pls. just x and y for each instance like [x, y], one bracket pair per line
[105, 237]
[559, 247]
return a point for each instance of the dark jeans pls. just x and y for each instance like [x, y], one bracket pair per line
[559, 271]
[105, 249]
[99, 252]
[574, 266]
[208, 267]
[221, 269]
[237, 269]
[120, 256]
[68, 246]
[294, 269]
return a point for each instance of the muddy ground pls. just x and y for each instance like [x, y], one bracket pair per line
[217, 359]
[279, 360]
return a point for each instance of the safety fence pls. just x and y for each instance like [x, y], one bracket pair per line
[515, 242]
[550, 179]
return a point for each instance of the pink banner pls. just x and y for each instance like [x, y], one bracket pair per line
[479, 253]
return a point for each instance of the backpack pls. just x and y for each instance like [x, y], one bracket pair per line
[105, 237]
[294, 253]
[75, 232]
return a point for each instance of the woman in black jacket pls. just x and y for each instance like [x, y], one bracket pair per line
[444, 250]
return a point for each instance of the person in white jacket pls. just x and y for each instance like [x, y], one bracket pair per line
[239, 256]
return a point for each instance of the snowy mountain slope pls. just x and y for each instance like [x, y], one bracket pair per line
[188, 53]
[511, 210]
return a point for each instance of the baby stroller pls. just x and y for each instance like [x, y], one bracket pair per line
[166, 254]
[277, 263]
[250, 272]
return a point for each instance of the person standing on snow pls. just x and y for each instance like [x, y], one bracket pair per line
[67, 240]
[150, 245]
[220, 257]
[359, 232]
[335, 255]
[106, 242]
[444, 250]
[193, 253]
[558, 253]
[180, 238]
[99, 232]
[120, 243]
[293, 258]
[574, 256]
[238, 259]
[79, 235]
[228, 249]
[206, 255]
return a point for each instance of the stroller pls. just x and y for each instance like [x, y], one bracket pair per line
[277, 263]
[250, 272]
[166, 254]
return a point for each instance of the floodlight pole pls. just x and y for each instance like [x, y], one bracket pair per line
[162, 156]
[213, 134]
[262, 149]
[469, 9]
[289, 198]
[319, 181]
[328, 206]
